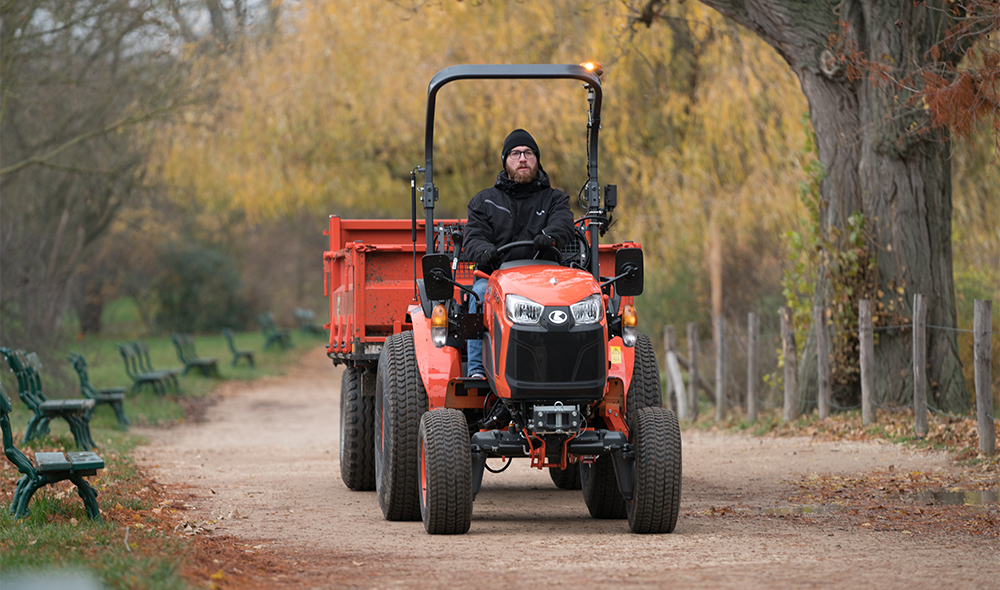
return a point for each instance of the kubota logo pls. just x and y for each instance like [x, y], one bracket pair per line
[557, 316]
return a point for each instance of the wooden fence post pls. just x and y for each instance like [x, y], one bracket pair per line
[919, 365]
[822, 361]
[753, 331]
[692, 334]
[668, 400]
[981, 328]
[680, 396]
[791, 365]
[720, 368]
[866, 336]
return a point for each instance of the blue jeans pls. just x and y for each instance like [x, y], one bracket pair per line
[475, 345]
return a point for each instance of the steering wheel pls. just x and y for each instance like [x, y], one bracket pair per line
[531, 243]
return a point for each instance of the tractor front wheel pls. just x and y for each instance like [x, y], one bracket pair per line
[400, 400]
[600, 488]
[566, 479]
[656, 472]
[357, 428]
[445, 472]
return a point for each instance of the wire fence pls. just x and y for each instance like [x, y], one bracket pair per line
[768, 356]
[769, 346]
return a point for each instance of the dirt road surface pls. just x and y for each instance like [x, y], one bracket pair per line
[260, 470]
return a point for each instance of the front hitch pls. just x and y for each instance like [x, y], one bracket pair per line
[587, 443]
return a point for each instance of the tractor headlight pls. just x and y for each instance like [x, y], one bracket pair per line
[522, 310]
[589, 310]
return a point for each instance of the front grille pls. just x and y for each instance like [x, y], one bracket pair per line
[564, 365]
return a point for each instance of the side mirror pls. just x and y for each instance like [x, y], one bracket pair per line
[628, 266]
[437, 277]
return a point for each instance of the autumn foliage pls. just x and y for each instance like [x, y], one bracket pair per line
[957, 80]
[702, 123]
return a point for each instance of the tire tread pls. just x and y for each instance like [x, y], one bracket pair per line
[357, 423]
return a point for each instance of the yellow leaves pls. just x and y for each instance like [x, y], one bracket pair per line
[330, 117]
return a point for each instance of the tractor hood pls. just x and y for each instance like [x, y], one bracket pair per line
[549, 333]
[545, 283]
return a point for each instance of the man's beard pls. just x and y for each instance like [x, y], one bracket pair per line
[523, 176]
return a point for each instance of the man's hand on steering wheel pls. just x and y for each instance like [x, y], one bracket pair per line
[490, 256]
[544, 243]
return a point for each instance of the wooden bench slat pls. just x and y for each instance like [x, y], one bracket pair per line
[85, 460]
[52, 462]
[66, 405]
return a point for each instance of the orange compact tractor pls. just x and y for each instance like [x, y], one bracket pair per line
[570, 384]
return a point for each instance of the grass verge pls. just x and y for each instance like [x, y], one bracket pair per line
[135, 546]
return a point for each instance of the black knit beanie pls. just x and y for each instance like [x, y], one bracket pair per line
[517, 138]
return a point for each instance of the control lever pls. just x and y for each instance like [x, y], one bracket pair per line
[456, 238]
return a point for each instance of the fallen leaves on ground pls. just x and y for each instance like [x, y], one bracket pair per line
[956, 435]
[893, 501]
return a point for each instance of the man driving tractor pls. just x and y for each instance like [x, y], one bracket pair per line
[520, 206]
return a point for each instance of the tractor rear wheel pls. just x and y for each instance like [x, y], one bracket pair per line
[400, 400]
[357, 428]
[656, 471]
[600, 489]
[566, 479]
[644, 388]
[445, 472]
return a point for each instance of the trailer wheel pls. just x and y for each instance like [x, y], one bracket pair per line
[656, 471]
[357, 429]
[600, 489]
[566, 479]
[644, 389]
[445, 472]
[400, 400]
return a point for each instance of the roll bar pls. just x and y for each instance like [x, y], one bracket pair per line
[510, 72]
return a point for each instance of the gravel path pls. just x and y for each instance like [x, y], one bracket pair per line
[263, 464]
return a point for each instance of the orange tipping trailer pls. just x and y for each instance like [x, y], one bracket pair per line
[370, 274]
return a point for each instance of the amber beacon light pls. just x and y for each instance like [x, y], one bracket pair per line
[593, 66]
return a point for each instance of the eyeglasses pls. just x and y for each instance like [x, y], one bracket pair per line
[516, 155]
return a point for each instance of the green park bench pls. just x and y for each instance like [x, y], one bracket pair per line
[307, 321]
[271, 334]
[111, 396]
[52, 467]
[137, 367]
[184, 343]
[76, 412]
[237, 353]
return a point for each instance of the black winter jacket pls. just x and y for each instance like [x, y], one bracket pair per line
[510, 212]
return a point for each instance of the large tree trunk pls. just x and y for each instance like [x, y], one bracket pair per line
[876, 164]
